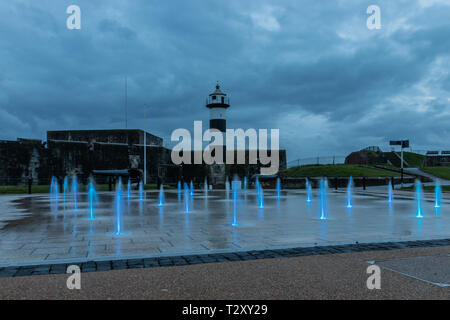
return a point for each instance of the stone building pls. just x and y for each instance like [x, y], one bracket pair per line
[104, 153]
[437, 159]
[23, 159]
[82, 152]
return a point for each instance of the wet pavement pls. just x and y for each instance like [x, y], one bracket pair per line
[34, 229]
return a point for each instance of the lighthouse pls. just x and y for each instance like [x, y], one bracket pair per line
[218, 103]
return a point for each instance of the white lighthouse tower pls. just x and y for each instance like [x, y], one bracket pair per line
[218, 103]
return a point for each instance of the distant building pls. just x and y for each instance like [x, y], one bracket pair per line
[374, 156]
[437, 158]
[373, 148]
[369, 155]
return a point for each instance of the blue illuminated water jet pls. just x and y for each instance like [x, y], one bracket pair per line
[118, 205]
[54, 197]
[278, 188]
[141, 191]
[261, 197]
[437, 195]
[179, 190]
[349, 193]
[308, 191]
[257, 185]
[75, 192]
[186, 198]
[323, 199]
[129, 189]
[236, 183]
[245, 184]
[390, 193]
[235, 198]
[161, 196]
[65, 190]
[419, 211]
[192, 189]
[92, 195]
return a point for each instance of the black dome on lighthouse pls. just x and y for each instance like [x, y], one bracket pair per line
[218, 92]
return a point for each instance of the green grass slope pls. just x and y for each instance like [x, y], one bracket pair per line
[337, 170]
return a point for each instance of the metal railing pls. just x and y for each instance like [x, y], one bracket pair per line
[317, 161]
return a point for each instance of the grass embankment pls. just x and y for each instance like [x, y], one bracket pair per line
[415, 160]
[23, 189]
[338, 170]
[440, 172]
[46, 188]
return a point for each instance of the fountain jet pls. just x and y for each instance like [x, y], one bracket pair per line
[278, 188]
[75, 192]
[308, 191]
[186, 198]
[119, 207]
[161, 196]
[437, 195]
[65, 189]
[235, 198]
[390, 193]
[349, 193]
[92, 195]
[261, 197]
[419, 211]
[257, 185]
[323, 199]
[141, 191]
[54, 193]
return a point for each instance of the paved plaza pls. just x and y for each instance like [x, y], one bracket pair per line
[36, 231]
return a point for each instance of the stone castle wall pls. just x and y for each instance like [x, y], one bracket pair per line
[23, 159]
[80, 152]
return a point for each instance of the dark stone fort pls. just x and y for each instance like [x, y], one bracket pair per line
[102, 153]
[107, 154]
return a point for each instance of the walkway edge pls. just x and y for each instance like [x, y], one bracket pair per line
[181, 260]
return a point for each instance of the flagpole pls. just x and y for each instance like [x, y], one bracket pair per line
[126, 102]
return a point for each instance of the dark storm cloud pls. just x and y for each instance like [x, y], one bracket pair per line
[310, 68]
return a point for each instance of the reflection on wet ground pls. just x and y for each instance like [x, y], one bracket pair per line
[33, 230]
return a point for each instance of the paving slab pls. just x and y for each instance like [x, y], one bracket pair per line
[35, 230]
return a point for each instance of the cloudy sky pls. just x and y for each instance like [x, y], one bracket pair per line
[310, 68]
